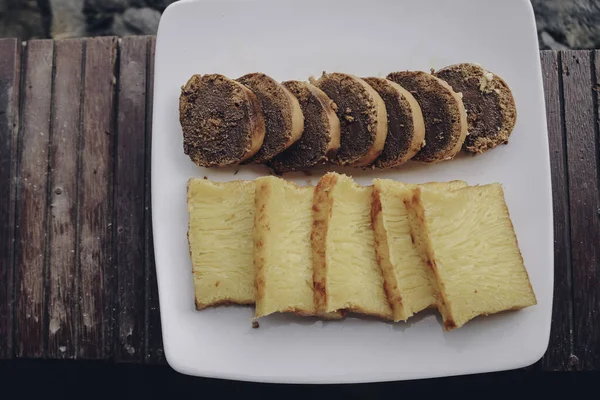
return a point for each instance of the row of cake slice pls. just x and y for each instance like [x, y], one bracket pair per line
[389, 250]
[344, 119]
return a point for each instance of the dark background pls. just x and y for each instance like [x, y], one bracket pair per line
[85, 380]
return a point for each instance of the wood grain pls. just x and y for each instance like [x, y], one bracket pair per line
[153, 338]
[66, 121]
[96, 271]
[560, 348]
[129, 199]
[32, 200]
[10, 72]
[581, 139]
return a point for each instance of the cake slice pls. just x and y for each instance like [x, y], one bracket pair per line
[321, 136]
[407, 278]
[362, 116]
[491, 110]
[346, 273]
[284, 121]
[282, 248]
[221, 119]
[221, 222]
[406, 128]
[443, 112]
[467, 239]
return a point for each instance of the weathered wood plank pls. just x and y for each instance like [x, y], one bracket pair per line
[153, 338]
[560, 348]
[10, 72]
[129, 198]
[66, 121]
[584, 204]
[32, 200]
[96, 270]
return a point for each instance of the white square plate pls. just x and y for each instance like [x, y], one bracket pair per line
[296, 39]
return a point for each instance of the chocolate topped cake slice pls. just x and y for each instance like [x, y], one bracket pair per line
[406, 128]
[283, 117]
[363, 118]
[321, 136]
[491, 111]
[221, 119]
[443, 112]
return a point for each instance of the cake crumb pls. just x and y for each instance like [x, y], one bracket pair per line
[255, 325]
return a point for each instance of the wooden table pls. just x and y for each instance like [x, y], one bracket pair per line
[77, 277]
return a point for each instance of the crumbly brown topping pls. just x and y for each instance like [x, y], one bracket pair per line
[357, 112]
[400, 123]
[491, 113]
[440, 112]
[277, 113]
[215, 114]
[312, 146]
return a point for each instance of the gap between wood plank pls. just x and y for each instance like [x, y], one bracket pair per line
[113, 300]
[10, 82]
[147, 222]
[46, 278]
[18, 155]
[78, 294]
[572, 362]
[153, 336]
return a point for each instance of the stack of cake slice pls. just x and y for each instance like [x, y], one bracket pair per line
[344, 119]
[389, 250]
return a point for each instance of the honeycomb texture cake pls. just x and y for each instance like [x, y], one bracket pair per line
[220, 235]
[346, 273]
[283, 254]
[467, 239]
[407, 278]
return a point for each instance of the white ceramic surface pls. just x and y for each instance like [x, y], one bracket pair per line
[295, 39]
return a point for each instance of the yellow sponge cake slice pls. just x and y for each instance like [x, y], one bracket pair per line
[221, 221]
[346, 273]
[282, 247]
[408, 280]
[467, 238]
